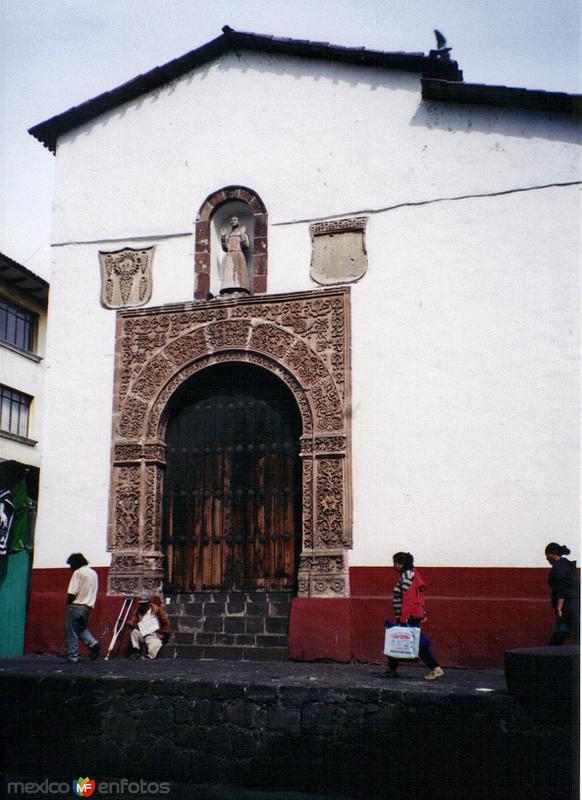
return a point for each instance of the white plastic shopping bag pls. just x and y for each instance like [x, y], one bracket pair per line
[402, 642]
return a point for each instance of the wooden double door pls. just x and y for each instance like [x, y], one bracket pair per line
[232, 490]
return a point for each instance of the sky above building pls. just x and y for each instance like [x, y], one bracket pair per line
[55, 54]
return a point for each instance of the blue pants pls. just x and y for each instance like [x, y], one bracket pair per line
[76, 619]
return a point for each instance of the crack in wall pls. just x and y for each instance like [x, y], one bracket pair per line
[114, 240]
[412, 203]
[408, 204]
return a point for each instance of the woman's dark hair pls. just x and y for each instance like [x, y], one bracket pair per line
[77, 560]
[406, 559]
[557, 549]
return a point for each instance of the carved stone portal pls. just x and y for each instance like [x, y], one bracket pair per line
[302, 338]
[126, 277]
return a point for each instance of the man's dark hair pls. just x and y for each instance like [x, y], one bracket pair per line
[76, 560]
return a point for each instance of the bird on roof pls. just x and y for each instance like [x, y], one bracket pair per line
[441, 42]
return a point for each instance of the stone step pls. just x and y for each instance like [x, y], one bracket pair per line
[230, 639]
[220, 653]
[273, 604]
[240, 626]
[252, 626]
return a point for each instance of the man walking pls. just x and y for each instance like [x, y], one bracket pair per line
[81, 596]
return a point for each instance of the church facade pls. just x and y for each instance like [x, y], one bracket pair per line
[311, 306]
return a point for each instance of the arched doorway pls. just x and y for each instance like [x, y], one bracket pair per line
[232, 488]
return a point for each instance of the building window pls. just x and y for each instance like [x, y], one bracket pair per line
[14, 411]
[17, 326]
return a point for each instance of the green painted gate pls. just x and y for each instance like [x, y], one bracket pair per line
[15, 571]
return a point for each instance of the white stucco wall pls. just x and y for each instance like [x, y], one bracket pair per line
[464, 329]
[465, 382]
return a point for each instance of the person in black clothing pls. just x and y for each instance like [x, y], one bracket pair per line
[565, 594]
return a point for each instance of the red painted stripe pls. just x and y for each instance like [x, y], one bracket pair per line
[456, 581]
[475, 615]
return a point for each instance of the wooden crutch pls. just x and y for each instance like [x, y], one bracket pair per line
[120, 624]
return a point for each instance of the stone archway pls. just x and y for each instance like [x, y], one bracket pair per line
[302, 338]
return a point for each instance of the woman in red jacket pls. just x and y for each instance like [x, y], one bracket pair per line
[408, 601]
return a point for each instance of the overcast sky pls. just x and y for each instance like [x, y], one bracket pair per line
[57, 53]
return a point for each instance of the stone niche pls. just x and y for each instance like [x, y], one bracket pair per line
[221, 221]
[213, 215]
[304, 339]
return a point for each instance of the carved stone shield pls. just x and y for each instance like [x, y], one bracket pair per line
[338, 250]
[126, 277]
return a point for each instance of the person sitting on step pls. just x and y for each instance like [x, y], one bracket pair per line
[150, 627]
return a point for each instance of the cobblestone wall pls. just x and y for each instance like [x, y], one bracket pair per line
[351, 740]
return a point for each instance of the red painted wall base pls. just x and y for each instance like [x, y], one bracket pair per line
[45, 626]
[475, 615]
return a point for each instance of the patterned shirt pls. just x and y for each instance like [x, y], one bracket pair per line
[402, 586]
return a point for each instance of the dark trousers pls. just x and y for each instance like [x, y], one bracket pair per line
[424, 651]
[566, 627]
[425, 655]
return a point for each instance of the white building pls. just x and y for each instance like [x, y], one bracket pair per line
[23, 313]
[413, 252]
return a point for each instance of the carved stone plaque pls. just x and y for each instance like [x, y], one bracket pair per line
[338, 250]
[126, 277]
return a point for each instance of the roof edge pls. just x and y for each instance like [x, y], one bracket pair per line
[48, 132]
[501, 96]
[35, 285]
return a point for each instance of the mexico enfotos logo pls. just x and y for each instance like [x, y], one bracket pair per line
[87, 787]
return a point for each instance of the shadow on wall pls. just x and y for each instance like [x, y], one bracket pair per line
[300, 69]
[493, 121]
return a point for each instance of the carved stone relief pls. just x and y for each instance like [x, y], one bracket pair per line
[126, 277]
[302, 338]
[338, 251]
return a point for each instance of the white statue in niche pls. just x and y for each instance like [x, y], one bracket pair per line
[235, 243]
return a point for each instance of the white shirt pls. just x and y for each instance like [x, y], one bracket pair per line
[83, 584]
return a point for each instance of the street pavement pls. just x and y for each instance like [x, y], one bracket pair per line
[273, 673]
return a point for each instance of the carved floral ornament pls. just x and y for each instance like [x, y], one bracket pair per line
[302, 338]
[126, 277]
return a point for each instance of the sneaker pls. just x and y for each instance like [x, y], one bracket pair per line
[437, 672]
[72, 660]
[95, 650]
